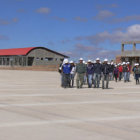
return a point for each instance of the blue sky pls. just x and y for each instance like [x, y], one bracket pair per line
[78, 28]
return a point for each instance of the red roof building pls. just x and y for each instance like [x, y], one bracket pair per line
[30, 56]
[15, 51]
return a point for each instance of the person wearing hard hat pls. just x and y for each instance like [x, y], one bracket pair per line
[81, 71]
[105, 73]
[72, 73]
[125, 70]
[89, 73]
[111, 71]
[66, 69]
[120, 71]
[137, 73]
[116, 72]
[97, 73]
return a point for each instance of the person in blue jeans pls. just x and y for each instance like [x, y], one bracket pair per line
[125, 72]
[97, 73]
[89, 73]
[105, 74]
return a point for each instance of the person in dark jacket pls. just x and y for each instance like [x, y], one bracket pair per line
[105, 73]
[89, 73]
[133, 69]
[125, 71]
[111, 71]
[97, 73]
[137, 73]
[116, 72]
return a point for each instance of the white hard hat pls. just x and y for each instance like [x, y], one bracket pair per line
[128, 62]
[84, 62]
[112, 63]
[124, 63]
[89, 60]
[105, 60]
[71, 62]
[108, 63]
[97, 59]
[81, 59]
[66, 61]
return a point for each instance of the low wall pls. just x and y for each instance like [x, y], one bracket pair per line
[33, 68]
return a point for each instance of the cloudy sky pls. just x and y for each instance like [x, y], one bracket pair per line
[78, 28]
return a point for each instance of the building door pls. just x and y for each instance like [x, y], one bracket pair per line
[30, 61]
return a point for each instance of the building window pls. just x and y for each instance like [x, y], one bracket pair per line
[48, 58]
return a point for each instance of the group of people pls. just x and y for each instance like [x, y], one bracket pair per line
[94, 72]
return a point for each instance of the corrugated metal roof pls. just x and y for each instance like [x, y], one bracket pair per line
[15, 51]
[24, 51]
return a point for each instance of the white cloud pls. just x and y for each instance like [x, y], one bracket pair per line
[43, 10]
[7, 22]
[132, 33]
[104, 14]
[59, 19]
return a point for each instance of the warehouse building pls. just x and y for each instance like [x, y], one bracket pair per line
[31, 56]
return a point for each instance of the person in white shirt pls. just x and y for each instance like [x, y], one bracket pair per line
[72, 73]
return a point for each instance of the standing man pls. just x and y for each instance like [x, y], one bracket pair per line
[81, 71]
[128, 71]
[116, 72]
[72, 73]
[97, 73]
[66, 69]
[125, 71]
[137, 73]
[111, 71]
[120, 72]
[105, 72]
[89, 73]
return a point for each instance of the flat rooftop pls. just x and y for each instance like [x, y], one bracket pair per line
[34, 106]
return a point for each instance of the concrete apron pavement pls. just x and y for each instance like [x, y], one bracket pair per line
[34, 106]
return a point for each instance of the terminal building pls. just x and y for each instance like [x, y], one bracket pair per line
[31, 56]
[132, 56]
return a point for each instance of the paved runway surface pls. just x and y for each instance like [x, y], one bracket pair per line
[33, 106]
